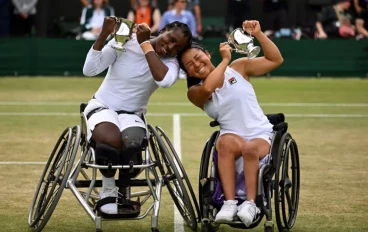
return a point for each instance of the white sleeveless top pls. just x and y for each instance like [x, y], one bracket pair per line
[236, 108]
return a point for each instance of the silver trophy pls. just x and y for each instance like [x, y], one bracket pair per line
[123, 32]
[243, 43]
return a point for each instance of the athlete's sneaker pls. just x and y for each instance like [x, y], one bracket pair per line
[110, 208]
[247, 212]
[227, 212]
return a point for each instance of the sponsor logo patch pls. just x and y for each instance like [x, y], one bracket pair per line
[232, 80]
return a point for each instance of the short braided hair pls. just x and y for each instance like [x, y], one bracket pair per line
[184, 29]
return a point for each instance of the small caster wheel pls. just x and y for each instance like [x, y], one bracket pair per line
[155, 230]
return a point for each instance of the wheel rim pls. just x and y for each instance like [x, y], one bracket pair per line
[182, 171]
[155, 150]
[53, 178]
[205, 170]
[286, 188]
[175, 185]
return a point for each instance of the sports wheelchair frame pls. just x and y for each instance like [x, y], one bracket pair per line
[274, 179]
[159, 162]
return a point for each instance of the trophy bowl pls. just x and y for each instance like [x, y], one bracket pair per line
[123, 32]
[243, 43]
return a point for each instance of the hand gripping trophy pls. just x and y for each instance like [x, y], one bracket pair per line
[243, 43]
[123, 32]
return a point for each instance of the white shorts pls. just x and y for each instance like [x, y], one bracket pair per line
[265, 135]
[122, 121]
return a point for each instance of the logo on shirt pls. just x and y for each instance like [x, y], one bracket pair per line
[232, 80]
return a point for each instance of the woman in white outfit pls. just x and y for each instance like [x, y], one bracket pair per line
[115, 112]
[226, 94]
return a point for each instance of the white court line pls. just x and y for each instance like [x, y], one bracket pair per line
[178, 220]
[296, 104]
[185, 115]
[20, 162]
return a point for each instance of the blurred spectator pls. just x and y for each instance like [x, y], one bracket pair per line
[179, 13]
[278, 23]
[4, 18]
[335, 21]
[237, 12]
[23, 19]
[134, 3]
[86, 2]
[361, 21]
[93, 17]
[145, 13]
[195, 7]
[360, 6]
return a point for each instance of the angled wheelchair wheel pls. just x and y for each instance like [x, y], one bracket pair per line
[180, 167]
[54, 178]
[206, 185]
[287, 183]
[173, 178]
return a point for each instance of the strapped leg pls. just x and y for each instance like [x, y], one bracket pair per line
[133, 140]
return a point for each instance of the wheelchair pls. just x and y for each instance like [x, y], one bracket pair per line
[279, 177]
[158, 162]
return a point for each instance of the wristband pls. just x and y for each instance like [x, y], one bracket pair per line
[147, 41]
[149, 51]
[146, 47]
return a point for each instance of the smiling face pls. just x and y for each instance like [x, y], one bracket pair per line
[197, 63]
[170, 42]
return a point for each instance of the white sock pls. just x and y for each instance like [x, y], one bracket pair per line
[108, 182]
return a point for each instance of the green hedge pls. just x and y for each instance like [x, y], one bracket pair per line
[55, 57]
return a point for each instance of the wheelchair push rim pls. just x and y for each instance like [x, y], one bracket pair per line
[54, 177]
[176, 187]
[287, 188]
[205, 174]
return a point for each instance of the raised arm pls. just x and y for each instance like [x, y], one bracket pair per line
[199, 94]
[100, 56]
[158, 69]
[272, 57]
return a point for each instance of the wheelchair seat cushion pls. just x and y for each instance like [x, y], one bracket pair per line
[240, 191]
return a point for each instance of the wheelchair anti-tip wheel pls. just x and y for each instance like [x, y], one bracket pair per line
[54, 178]
[173, 178]
[287, 184]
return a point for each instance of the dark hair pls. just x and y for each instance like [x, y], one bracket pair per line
[184, 29]
[190, 80]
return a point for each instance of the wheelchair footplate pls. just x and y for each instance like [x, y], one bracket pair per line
[126, 208]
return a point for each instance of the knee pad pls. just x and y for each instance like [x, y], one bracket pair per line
[106, 155]
[133, 140]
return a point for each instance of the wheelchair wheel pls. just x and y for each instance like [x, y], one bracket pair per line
[179, 164]
[54, 178]
[206, 185]
[177, 189]
[287, 183]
